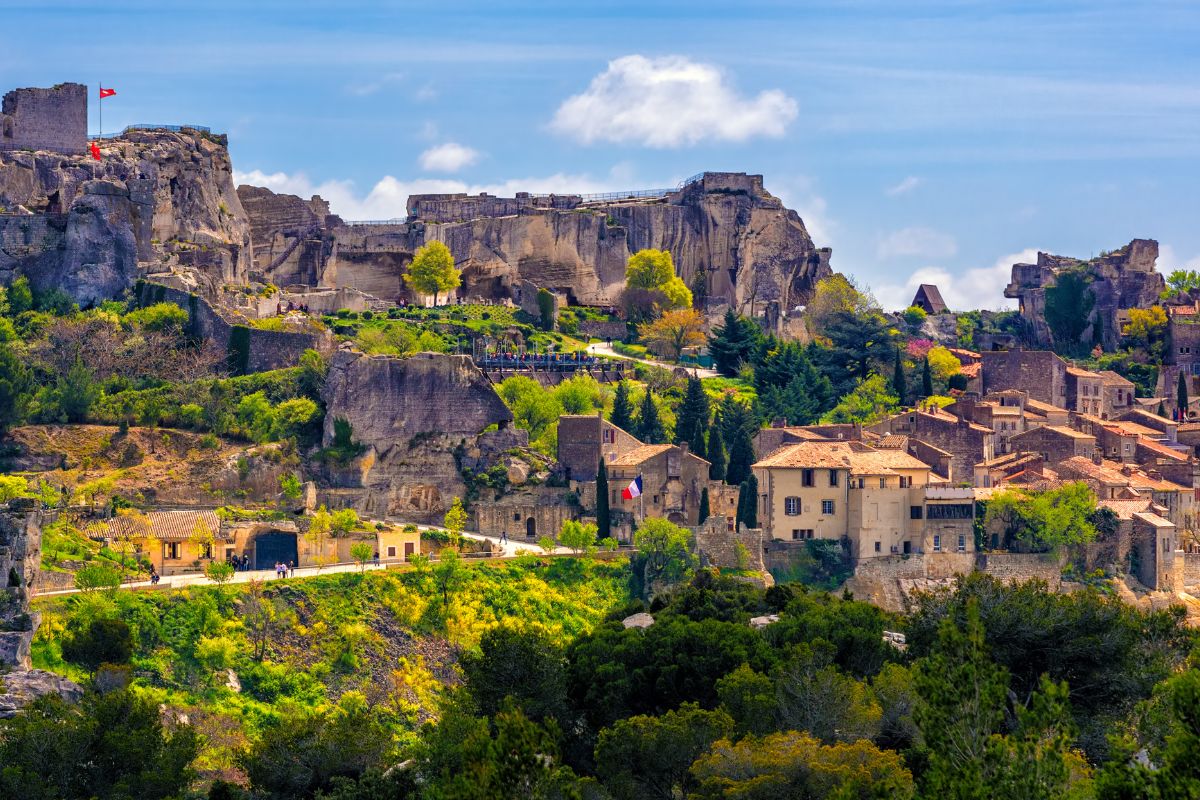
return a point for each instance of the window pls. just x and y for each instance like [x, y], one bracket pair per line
[905, 481]
[655, 500]
[171, 550]
[609, 436]
[833, 477]
[795, 533]
[862, 483]
[826, 506]
[206, 551]
[802, 533]
[877, 547]
[937, 543]
[883, 483]
[806, 477]
[791, 506]
[517, 516]
[962, 543]
[391, 551]
[914, 512]
[958, 511]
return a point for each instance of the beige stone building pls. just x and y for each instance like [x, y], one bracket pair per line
[672, 481]
[871, 496]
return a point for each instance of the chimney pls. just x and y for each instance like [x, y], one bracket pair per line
[1097, 457]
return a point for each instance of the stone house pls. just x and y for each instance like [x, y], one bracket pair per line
[583, 439]
[1039, 373]
[672, 481]
[1054, 443]
[527, 515]
[968, 442]
[1084, 391]
[872, 497]
[1145, 542]
[949, 519]
[1167, 429]
[1003, 468]
[1183, 326]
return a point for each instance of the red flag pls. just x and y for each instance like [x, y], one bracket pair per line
[106, 92]
[95, 151]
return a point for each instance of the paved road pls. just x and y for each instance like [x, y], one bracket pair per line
[510, 549]
[604, 350]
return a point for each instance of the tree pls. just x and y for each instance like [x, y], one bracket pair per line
[926, 379]
[899, 386]
[815, 696]
[15, 385]
[691, 418]
[1181, 397]
[20, 296]
[622, 412]
[795, 764]
[526, 665]
[1068, 306]
[579, 537]
[666, 548]
[203, 537]
[704, 507]
[361, 552]
[649, 757]
[111, 746]
[870, 401]
[733, 342]
[76, 392]
[653, 270]
[102, 640]
[738, 425]
[219, 572]
[448, 574]
[263, 617]
[716, 455]
[319, 531]
[1147, 328]
[858, 343]
[432, 270]
[914, 317]
[545, 304]
[603, 513]
[942, 363]
[747, 507]
[837, 295]
[673, 332]
[97, 577]
[649, 426]
[455, 522]
[1044, 520]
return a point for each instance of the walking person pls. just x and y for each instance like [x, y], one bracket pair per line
[292, 569]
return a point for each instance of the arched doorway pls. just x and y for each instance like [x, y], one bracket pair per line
[273, 547]
[530, 528]
[677, 518]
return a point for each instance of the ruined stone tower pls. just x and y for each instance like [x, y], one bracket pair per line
[45, 119]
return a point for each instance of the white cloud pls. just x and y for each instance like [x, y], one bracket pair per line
[800, 195]
[917, 241]
[976, 288]
[425, 93]
[903, 187]
[388, 198]
[668, 102]
[371, 86]
[1168, 261]
[448, 157]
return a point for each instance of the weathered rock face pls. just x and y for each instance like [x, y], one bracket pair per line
[158, 201]
[746, 248]
[416, 416]
[1123, 279]
[24, 686]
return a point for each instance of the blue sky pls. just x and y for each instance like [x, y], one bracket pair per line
[920, 140]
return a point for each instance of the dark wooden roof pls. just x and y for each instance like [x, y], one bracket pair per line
[929, 298]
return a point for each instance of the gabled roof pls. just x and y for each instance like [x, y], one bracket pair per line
[166, 525]
[929, 295]
[859, 458]
[1113, 379]
[639, 455]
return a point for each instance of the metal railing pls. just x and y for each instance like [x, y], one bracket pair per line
[147, 126]
[393, 221]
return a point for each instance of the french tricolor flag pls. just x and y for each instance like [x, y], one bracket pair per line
[633, 490]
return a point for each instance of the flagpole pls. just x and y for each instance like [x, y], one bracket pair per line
[100, 94]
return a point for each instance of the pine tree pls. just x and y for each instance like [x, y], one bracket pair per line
[704, 512]
[716, 455]
[648, 424]
[898, 384]
[747, 508]
[926, 380]
[1181, 397]
[603, 516]
[622, 413]
[692, 416]
[732, 343]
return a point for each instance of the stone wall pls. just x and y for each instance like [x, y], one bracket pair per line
[1039, 373]
[461, 207]
[1191, 569]
[527, 515]
[45, 119]
[719, 544]
[20, 557]
[596, 329]
[250, 349]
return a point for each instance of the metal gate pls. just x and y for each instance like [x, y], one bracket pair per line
[274, 547]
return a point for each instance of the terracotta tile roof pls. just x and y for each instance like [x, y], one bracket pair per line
[960, 353]
[1044, 408]
[1125, 509]
[168, 525]
[639, 455]
[1147, 416]
[1104, 472]
[1132, 429]
[1154, 519]
[1008, 460]
[971, 370]
[1161, 450]
[1063, 430]
[893, 441]
[859, 458]
[1079, 372]
[1113, 379]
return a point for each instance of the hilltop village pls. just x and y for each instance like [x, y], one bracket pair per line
[211, 386]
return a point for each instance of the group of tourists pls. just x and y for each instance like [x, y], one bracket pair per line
[285, 570]
[301, 307]
[240, 563]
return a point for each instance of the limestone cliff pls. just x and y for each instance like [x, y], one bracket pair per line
[724, 230]
[415, 418]
[1120, 280]
[158, 201]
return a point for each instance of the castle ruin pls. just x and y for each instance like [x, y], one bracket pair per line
[45, 119]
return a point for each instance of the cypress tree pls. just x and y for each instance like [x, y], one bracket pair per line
[1162, 408]
[716, 455]
[926, 380]
[1181, 397]
[703, 515]
[622, 413]
[603, 517]
[747, 509]
[649, 425]
[741, 456]
[898, 383]
[693, 412]
[696, 444]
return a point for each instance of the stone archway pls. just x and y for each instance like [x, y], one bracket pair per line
[530, 528]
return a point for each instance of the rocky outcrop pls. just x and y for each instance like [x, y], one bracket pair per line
[158, 201]
[724, 230]
[415, 418]
[19, 689]
[1120, 280]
